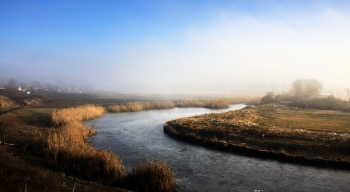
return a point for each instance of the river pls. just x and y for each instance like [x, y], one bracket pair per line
[137, 136]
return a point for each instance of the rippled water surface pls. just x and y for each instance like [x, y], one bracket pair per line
[137, 136]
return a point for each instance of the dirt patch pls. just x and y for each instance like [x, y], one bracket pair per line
[6, 102]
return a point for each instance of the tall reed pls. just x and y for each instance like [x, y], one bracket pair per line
[212, 104]
[80, 113]
[68, 152]
[65, 146]
[151, 176]
[139, 106]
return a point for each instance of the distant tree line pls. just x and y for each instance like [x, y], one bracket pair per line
[307, 93]
[38, 87]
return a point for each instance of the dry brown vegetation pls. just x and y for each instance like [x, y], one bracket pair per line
[212, 104]
[76, 114]
[17, 175]
[56, 141]
[67, 151]
[6, 102]
[321, 137]
[139, 106]
[152, 176]
[7, 125]
[218, 103]
[18, 97]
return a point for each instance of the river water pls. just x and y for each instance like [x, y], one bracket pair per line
[137, 136]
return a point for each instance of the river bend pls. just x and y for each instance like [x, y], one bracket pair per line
[137, 136]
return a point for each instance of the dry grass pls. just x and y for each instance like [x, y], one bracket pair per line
[19, 175]
[66, 148]
[303, 134]
[6, 102]
[76, 114]
[218, 103]
[152, 176]
[67, 151]
[212, 104]
[247, 100]
[312, 119]
[139, 106]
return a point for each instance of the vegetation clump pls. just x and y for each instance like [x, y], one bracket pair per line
[306, 93]
[211, 104]
[152, 176]
[6, 102]
[65, 147]
[139, 106]
[7, 125]
[75, 114]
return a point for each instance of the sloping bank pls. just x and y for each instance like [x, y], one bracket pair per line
[258, 131]
[65, 148]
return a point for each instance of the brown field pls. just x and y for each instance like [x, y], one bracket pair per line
[302, 135]
[308, 119]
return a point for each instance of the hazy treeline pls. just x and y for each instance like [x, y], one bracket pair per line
[37, 86]
[307, 93]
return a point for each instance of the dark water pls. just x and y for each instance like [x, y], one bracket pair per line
[138, 136]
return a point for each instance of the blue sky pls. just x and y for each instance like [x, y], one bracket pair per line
[231, 47]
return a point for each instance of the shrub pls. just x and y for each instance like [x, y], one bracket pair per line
[268, 98]
[7, 125]
[152, 176]
[328, 103]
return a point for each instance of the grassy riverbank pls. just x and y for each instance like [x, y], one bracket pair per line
[317, 137]
[57, 142]
[46, 149]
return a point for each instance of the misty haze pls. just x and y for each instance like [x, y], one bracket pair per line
[174, 96]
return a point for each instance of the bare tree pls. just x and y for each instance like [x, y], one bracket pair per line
[306, 88]
[268, 98]
[6, 127]
[347, 90]
[298, 88]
